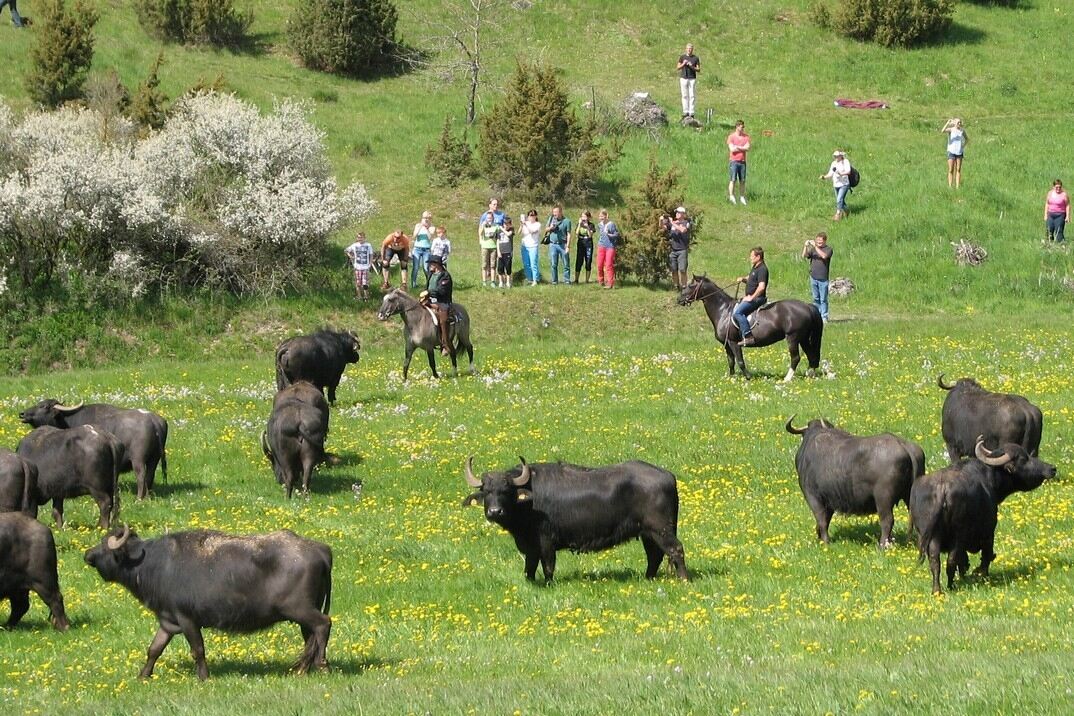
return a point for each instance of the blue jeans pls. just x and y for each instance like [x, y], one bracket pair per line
[418, 257]
[557, 253]
[820, 296]
[531, 263]
[841, 197]
[15, 19]
[1056, 222]
[743, 309]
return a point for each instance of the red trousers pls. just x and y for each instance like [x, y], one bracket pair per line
[605, 266]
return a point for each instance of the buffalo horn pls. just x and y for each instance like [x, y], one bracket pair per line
[791, 429]
[264, 444]
[69, 408]
[470, 479]
[525, 476]
[945, 386]
[986, 456]
[824, 423]
[117, 542]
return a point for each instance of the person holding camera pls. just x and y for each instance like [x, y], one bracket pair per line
[956, 147]
[678, 233]
[557, 232]
[531, 246]
[583, 246]
[688, 67]
[820, 258]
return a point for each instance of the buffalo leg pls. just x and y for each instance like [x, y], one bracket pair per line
[105, 502]
[156, 648]
[987, 555]
[20, 604]
[150, 475]
[316, 628]
[952, 567]
[886, 511]
[139, 475]
[49, 592]
[532, 560]
[192, 632]
[934, 565]
[57, 512]
[823, 515]
[331, 394]
[654, 554]
[548, 561]
[307, 474]
[432, 363]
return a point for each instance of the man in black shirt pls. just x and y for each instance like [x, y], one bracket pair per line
[820, 258]
[688, 67]
[756, 286]
[438, 294]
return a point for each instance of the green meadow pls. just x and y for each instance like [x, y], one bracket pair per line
[431, 610]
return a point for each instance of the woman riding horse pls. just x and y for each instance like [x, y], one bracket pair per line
[797, 322]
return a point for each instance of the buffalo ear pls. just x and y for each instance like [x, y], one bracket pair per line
[524, 496]
[475, 498]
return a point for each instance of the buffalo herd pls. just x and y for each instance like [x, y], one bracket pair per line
[197, 579]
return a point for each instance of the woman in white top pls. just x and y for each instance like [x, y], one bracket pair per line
[839, 173]
[956, 147]
[530, 229]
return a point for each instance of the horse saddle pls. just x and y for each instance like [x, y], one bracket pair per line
[756, 315]
[453, 316]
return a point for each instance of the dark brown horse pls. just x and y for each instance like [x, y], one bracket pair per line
[798, 322]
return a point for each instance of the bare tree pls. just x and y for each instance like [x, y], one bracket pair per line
[462, 35]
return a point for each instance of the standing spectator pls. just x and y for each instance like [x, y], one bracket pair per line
[756, 295]
[820, 258]
[688, 67]
[957, 139]
[423, 242]
[505, 249]
[583, 246]
[606, 245]
[497, 215]
[839, 173]
[558, 232]
[531, 247]
[15, 19]
[488, 237]
[441, 246]
[679, 241]
[1056, 212]
[395, 245]
[361, 255]
[738, 143]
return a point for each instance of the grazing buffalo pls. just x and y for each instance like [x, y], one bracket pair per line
[319, 358]
[75, 462]
[197, 579]
[840, 472]
[956, 508]
[969, 410]
[28, 562]
[294, 440]
[144, 434]
[549, 507]
[18, 484]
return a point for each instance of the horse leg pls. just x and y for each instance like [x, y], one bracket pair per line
[730, 361]
[737, 349]
[407, 355]
[432, 362]
[792, 347]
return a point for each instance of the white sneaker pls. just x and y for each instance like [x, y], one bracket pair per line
[742, 200]
[731, 199]
[533, 283]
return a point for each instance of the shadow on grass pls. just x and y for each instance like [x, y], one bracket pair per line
[960, 34]
[625, 575]
[163, 489]
[329, 484]
[345, 666]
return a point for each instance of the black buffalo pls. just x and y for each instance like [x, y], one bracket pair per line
[294, 440]
[75, 462]
[18, 484]
[840, 472]
[549, 507]
[969, 410]
[28, 563]
[198, 579]
[144, 434]
[319, 358]
[956, 508]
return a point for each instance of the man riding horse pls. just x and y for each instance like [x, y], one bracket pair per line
[437, 295]
[756, 296]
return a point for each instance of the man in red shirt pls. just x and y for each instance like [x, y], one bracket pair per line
[738, 143]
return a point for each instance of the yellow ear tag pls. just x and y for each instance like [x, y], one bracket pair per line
[523, 496]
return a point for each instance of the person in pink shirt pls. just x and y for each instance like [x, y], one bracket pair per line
[1056, 212]
[738, 143]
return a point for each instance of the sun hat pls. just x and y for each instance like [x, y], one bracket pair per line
[680, 210]
[839, 153]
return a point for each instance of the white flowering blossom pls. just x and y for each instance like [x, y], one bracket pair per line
[75, 184]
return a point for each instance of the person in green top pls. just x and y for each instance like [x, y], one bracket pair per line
[488, 236]
[437, 295]
[558, 232]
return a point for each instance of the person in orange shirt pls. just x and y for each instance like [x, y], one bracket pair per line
[738, 143]
[396, 244]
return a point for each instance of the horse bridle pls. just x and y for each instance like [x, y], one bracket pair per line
[694, 297]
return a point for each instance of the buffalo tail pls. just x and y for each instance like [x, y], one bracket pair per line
[28, 471]
[927, 531]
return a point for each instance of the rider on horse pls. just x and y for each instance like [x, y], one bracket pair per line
[438, 296]
[756, 287]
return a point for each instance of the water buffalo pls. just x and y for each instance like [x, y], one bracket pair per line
[18, 484]
[197, 579]
[294, 440]
[549, 507]
[969, 410]
[144, 434]
[75, 462]
[28, 563]
[840, 472]
[956, 508]
[319, 358]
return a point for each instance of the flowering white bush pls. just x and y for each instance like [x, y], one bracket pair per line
[221, 194]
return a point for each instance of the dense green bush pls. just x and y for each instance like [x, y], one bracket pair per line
[349, 37]
[62, 52]
[533, 142]
[892, 23]
[449, 160]
[147, 106]
[204, 22]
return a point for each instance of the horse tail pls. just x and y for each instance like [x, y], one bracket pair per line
[813, 338]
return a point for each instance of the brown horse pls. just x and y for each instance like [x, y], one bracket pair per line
[797, 322]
